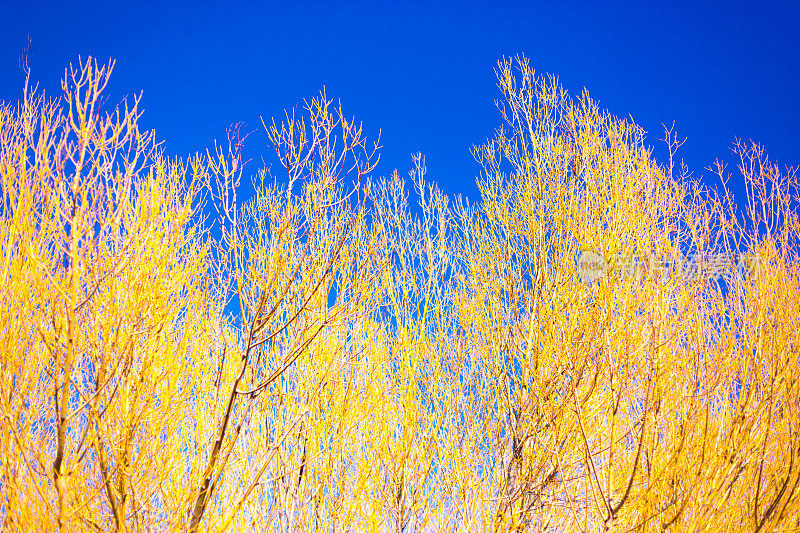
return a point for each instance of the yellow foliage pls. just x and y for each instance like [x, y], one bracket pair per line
[329, 356]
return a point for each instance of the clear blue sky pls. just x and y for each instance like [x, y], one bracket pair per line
[423, 74]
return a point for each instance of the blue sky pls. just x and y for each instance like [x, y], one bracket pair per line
[423, 73]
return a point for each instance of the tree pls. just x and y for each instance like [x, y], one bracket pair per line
[331, 355]
[105, 303]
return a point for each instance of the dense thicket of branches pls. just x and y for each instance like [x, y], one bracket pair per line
[440, 367]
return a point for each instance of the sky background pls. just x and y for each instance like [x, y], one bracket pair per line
[422, 74]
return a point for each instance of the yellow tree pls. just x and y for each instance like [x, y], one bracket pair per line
[415, 391]
[591, 392]
[301, 260]
[599, 343]
[106, 301]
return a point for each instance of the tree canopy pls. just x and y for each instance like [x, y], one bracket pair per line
[346, 352]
